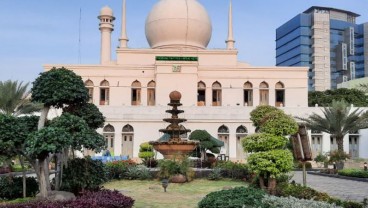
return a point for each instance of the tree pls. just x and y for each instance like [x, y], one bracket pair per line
[337, 120]
[206, 142]
[270, 157]
[14, 99]
[356, 97]
[56, 88]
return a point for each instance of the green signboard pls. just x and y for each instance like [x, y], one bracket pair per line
[176, 58]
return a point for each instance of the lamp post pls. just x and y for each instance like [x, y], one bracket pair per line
[165, 183]
[365, 166]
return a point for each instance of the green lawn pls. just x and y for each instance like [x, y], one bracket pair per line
[150, 194]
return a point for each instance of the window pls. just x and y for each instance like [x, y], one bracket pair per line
[241, 132]
[201, 94]
[248, 94]
[216, 94]
[151, 93]
[89, 85]
[109, 134]
[263, 93]
[223, 135]
[280, 94]
[136, 93]
[104, 92]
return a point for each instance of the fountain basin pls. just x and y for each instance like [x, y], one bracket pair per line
[174, 149]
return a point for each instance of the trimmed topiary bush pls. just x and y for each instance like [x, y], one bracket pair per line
[12, 187]
[83, 174]
[233, 198]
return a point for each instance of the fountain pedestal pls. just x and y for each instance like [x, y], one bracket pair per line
[175, 148]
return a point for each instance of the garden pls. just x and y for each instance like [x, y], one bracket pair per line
[203, 182]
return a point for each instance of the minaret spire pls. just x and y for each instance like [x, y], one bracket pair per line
[230, 42]
[124, 37]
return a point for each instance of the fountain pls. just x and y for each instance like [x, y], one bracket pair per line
[174, 147]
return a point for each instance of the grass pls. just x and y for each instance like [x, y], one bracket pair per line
[150, 194]
[15, 201]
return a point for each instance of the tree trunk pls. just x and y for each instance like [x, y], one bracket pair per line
[43, 117]
[262, 182]
[47, 174]
[43, 179]
[21, 160]
[340, 143]
[272, 185]
[59, 160]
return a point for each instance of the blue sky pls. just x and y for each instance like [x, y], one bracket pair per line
[37, 32]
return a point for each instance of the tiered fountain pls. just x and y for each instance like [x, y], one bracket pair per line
[175, 147]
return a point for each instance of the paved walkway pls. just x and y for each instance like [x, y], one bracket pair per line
[336, 187]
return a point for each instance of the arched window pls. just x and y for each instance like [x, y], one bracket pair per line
[201, 94]
[263, 93]
[248, 94]
[127, 141]
[151, 93]
[216, 94]
[279, 94]
[104, 92]
[89, 85]
[223, 135]
[136, 93]
[109, 134]
[241, 132]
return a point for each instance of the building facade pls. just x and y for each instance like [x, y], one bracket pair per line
[329, 42]
[218, 91]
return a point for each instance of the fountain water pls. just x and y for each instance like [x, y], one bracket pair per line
[174, 147]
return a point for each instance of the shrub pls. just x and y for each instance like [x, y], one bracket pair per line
[233, 198]
[264, 142]
[234, 170]
[291, 202]
[169, 168]
[300, 192]
[118, 169]
[354, 173]
[83, 174]
[337, 156]
[150, 162]
[12, 187]
[199, 163]
[103, 198]
[145, 151]
[215, 175]
[321, 158]
[136, 172]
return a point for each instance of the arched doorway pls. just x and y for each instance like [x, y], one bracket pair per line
[127, 141]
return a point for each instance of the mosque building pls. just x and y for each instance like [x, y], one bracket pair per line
[218, 91]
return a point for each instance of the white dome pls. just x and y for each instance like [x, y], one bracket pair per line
[106, 11]
[178, 23]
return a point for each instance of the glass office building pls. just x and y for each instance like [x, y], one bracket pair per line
[329, 42]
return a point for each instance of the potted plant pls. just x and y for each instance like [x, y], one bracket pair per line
[321, 159]
[338, 157]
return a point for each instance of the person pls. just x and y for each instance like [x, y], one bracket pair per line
[107, 153]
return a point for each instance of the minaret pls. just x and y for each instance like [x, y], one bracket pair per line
[230, 39]
[124, 38]
[106, 27]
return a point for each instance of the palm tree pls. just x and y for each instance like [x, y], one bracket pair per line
[14, 99]
[338, 120]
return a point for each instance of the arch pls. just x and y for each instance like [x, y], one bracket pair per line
[104, 83]
[223, 129]
[279, 94]
[263, 93]
[201, 94]
[88, 83]
[216, 94]
[151, 93]
[108, 128]
[248, 94]
[136, 93]
[104, 92]
[128, 128]
[242, 130]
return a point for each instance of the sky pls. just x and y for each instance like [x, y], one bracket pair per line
[38, 32]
